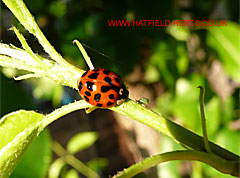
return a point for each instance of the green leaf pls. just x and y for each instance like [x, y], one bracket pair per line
[20, 128]
[17, 132]
[81, 141]
[71, 174]
[55, 168]
[225, 40]
[180, 33]
[40, 151]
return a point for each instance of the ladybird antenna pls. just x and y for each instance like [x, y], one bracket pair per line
[84, 53]
[98, 51]
[108, 57]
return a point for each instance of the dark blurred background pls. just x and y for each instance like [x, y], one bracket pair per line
[162, 64]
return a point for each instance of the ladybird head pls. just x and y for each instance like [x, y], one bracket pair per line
[123, 95]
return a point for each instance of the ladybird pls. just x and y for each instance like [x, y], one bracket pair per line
[102, 88]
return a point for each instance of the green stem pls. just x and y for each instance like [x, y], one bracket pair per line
[182, 135]
[213, 160]
[64, 110]
[203, 118]
[28, 49]
[22, 13]
[73, 161]
[85, 55]
[13, 57]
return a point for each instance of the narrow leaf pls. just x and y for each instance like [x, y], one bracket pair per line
[81, 141]
[225, 40]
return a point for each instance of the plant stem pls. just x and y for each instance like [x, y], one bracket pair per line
[73, 161]
[28, 49]
[85, 55]
[182, 135]
[203, 119]
[213, 160]
[13, 57]
[64, 110]
[22, 13]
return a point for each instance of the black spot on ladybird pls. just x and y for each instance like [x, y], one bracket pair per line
[111, 96]
[109, 103]
[80, 86]
[105, 89]
[99, 105]
[93, 76]
[85, 73]
[115, 88]
[86, 98]
[97, 97]
[95, 70]
[106, 72]
[117, 80]
[89, 85]
[108, 80]
[87, 93]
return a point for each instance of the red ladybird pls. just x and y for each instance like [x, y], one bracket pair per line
[102, 88]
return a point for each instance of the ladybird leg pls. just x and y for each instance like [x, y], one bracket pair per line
[84, 53]
[89, 110]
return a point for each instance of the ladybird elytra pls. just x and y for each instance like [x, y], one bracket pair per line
[102, 88]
